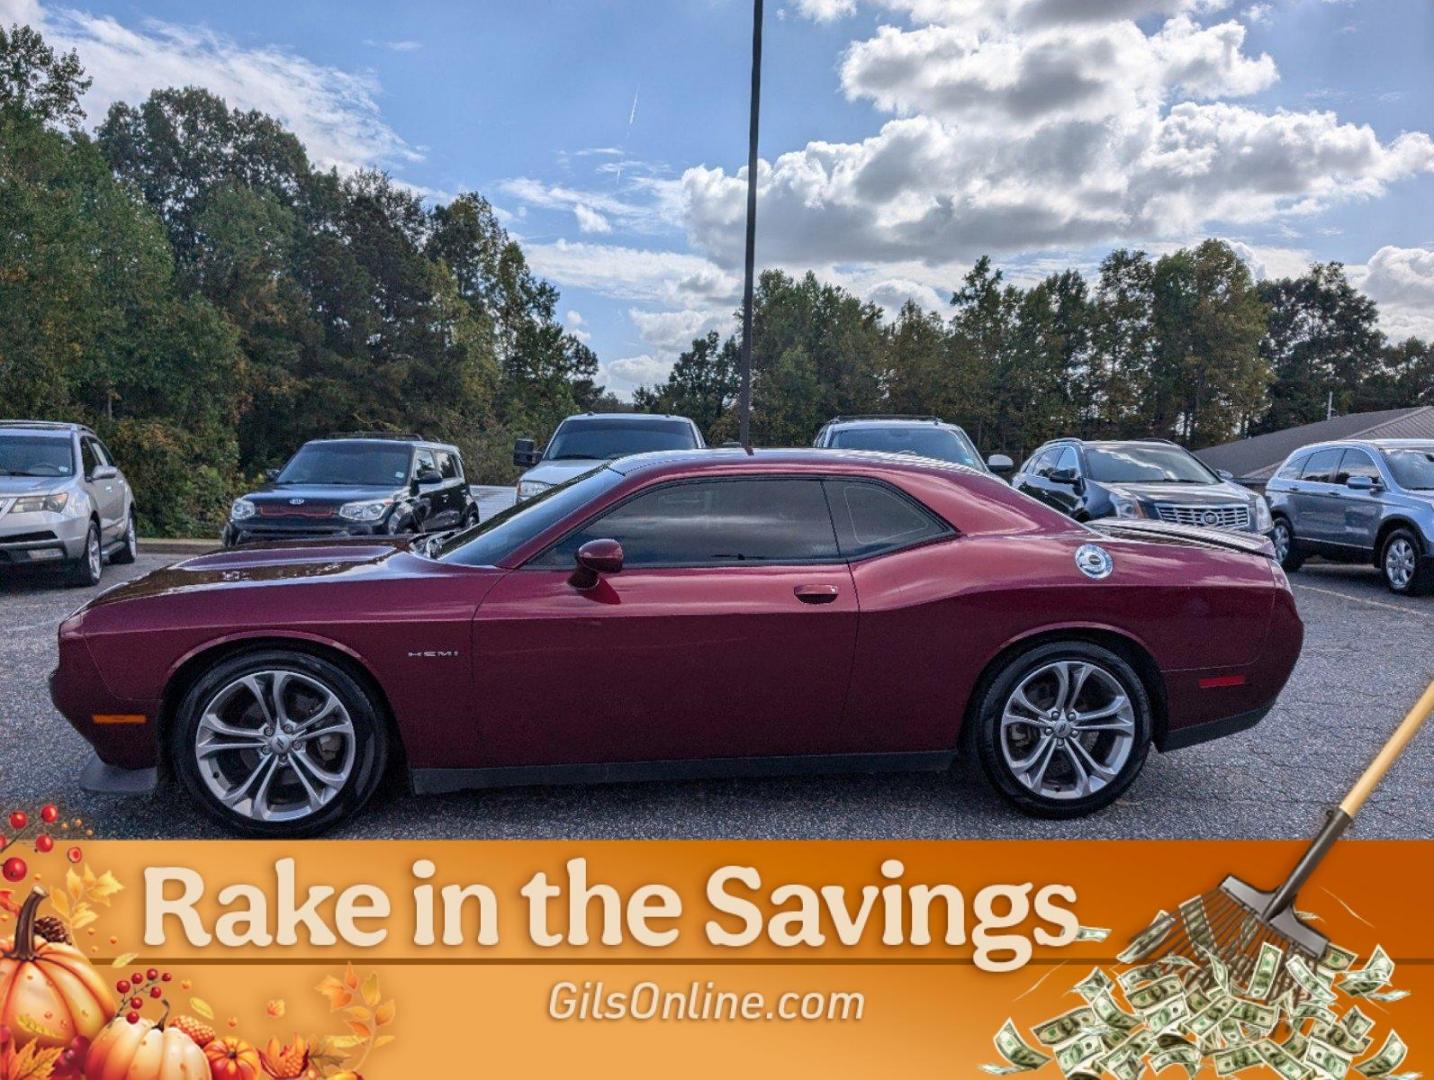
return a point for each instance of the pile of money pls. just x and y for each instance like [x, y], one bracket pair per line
[1194, 1011]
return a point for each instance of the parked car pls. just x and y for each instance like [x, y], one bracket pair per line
[357, 485]
[1153, 479]
[1369, 501]
[584, 442]
[63, 501]
[683, 614]
[924, 436]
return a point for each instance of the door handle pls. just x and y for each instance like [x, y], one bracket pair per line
[816, 594]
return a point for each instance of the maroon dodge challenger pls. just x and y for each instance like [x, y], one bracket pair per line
[685, 614]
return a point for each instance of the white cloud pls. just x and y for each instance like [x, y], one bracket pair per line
[589, 220]
[670, 332]
[826, 10]
[334, 112]
[634, 274]
[624, 376]
[1401, 280]
[599, 212]
[1259, 14]
[576, 324]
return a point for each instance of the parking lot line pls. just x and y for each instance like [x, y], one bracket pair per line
[1362, 600]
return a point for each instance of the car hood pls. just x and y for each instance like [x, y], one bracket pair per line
[317, 494]
[1186, 494]
[264, 564]
[32, 485]
[556, 472]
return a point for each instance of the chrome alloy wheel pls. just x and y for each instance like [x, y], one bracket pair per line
[1280, 537]
[1400, 561]
[275, 745]
[1067, 729]
[94, 556]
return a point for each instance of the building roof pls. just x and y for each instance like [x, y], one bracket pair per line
[1257, 458]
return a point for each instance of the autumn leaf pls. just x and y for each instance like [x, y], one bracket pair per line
[123, 960]
[33, 1063]
[351, 979]
[338, 994]
[371, 994]
[363, 1031]
[7, 902]
[202, 1007]
[276, 1008]
[384, 1014]
[359, 1013]
[383, 1040]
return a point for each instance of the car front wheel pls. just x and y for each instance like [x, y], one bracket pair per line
[278, 743]
[1063, 729]
[1283, 537]
[129, 550]
[1405, 570]
[86, 570]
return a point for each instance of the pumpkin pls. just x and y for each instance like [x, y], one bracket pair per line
[49, 993]
[144, 1050]
[232, 1059]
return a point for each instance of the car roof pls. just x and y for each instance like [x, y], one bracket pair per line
[44, 427]
[816, 459]
[1103, 444]
[380, 440]
[640, 417]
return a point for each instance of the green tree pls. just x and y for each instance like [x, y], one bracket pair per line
[703, 384]
[36, 85]
[1118, 372]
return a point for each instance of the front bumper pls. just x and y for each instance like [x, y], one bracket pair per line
[41, 538]
[256, 531]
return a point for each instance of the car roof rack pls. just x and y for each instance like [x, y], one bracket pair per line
[885, 416]
[398, 436]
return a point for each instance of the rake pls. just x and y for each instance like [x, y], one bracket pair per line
[1233, 922]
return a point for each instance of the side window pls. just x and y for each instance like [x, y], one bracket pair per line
[871, 519]
[102, 452]
[713, 523]
[1356, 463]
[1322, 466]
[87, 456]
[447, 465]
[423, 460]
[1294, 467]
[1043, 462]
[1068, 459]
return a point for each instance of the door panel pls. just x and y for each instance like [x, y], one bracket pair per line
[1360, 510]
[664, 664]
[1318, 511]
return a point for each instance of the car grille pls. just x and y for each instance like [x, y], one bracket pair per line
[28, 538]
[260, 532]
[1232, 516]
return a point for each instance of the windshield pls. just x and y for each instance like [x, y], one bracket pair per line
[350, 464]
[933, 442]
[601, 440]
[1145, 465]
[36, 455]
[1412, 467]
[492, 541]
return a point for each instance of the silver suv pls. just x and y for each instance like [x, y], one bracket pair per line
[1359, 500]
[63, 501]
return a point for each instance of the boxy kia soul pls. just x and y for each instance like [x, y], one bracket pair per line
[686, 614]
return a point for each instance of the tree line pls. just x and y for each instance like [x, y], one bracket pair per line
[186, 281]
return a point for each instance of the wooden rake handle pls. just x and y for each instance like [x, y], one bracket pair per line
[1386, 757]
[1340, 819]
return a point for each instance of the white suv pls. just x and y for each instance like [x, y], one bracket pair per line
[585, 441]
[63, 501]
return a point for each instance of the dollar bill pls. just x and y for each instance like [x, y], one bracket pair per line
[1386, 995]
[1282, 1061]
[1065, 1027]
[1235, 1059]
[1296, 1044]
[1197, 923]
[1375, 974]
[1308, 981]
[1092, 933]
[1168, 1015]
[1149, 939]
[1151, 996]
[1327, 1059]
[1336, 959]
[1094, 984]
[1219, 973]
[1084, 1049]
[1014, 1049]
[1186, 1056]
[1313, 1010]
[1144, 973]
[1267, 966]
[1355, 1022]
[1112, 1015]
[1257, 1015]
[1391, 1055]
[1340, 1037]
[1208, 1019]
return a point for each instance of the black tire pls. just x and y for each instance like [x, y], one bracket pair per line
[470, 519]
[1404, 566]
[993, 744]
[129, 550]
[1291, 560]
[216, 689]
[85, 572]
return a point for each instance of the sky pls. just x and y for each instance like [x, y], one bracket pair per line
[900, 140]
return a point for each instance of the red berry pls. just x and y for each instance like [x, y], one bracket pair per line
[136, 1003]
[19, 819]
[155, 991]
[74, 854]
[152, 974]
[14, 869]
[122, 986]
[49, 813]
[132, 1017]
[137, 978]
[165, 977]
[44, 844]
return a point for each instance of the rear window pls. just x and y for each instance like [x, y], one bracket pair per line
[933, 442]
[604, 439]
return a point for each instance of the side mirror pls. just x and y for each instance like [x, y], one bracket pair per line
[272, 475]
[104, 472]
[429, 476]
[1224, 474]
[525, 453]
[1000, 464]
[1062, 476]
[1361, 483]
[595, 558]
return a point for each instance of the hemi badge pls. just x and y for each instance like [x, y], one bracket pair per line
[119, 718]
[1221, 680]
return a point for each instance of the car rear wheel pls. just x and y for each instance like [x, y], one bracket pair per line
[86, 570]
[1283, 537]
[278, 743]
[129, 550]
[1405, 570]
[1063, 729]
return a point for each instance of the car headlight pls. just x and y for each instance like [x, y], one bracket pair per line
[372, 510]
[33, 504]
[1125, 506]
[1263, 521]
[528, 488]
[242, 509]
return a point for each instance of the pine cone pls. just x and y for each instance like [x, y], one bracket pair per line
[52, 929]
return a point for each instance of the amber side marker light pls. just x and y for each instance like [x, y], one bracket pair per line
[119, 718]
[1221, 680]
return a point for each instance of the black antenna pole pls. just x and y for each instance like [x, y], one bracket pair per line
[744, 407]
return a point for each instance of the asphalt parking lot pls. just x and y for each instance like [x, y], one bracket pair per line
[1366, 658]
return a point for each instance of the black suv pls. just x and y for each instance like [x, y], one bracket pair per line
[1147, 478]
[358, 485]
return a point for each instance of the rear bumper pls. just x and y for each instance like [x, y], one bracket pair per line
[1194, 734]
